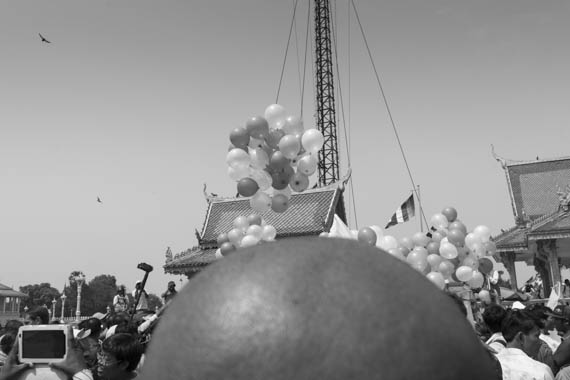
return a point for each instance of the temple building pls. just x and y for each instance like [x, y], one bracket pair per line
[540, 198]
[10, 300]
[309, 213]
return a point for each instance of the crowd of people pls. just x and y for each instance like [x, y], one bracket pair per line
[105, 346]
[307, 310]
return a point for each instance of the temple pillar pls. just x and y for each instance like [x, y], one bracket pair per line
[546, 249]
[508, 259]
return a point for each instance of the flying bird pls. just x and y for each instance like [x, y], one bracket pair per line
[99, 200]
[43, 39]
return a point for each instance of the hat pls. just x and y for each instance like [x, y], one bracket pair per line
[560, 311]
[517, 305]
[171, 283]
[138, 282]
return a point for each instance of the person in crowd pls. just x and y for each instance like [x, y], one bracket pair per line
[566, 289]
[119, 357]
[88, 340]
[493, 316]
[170, 292]
[522, 335]
[539, 312]
[143, 301]
[561, 319]
[314, 309]
[120, 301]
[8, 338]
[38, 315]
[73, 365]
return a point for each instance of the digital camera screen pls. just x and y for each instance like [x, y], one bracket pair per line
[43, 344]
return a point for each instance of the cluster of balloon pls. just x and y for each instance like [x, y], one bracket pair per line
[449, 252]
[246, 232]
[272, 157]
[370, 235]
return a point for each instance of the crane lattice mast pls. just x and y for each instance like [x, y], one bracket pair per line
[326, 118]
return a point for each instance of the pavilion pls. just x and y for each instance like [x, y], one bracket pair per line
[10, 300]
[310, 213]
[540, 198]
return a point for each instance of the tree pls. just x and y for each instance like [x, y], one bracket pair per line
[102, 289]
[39, 295]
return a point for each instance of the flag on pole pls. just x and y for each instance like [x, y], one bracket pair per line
[403, 213]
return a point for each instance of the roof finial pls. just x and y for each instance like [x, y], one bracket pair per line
[500, 160]
[168, 254]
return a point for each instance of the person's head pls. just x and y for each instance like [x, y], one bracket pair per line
[540, 313]
[121, 290]
[119, 355]
[567, 282]
[92, 324]
[171, 285]
[313, 308]
[138, 285]
[559, 318]
[13, 325]
[38, 315]
[7, 341]
[493, 317]
[520, 331]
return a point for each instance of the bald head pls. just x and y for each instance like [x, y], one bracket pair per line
[313, 309]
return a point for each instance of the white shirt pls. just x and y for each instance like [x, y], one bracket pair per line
[492, 342]
[519, 366]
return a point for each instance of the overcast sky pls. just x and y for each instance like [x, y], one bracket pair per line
[133, 102]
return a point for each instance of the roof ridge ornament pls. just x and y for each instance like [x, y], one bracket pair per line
[564, 198]
[499, 159]
[168, 254]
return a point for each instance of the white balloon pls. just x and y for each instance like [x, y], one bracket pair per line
[259, 158]
[255, 230]
[387, 242]
[262, 178]
[274, 113]
[249, 241]
[312, 140]
[269, 233]
[238, 158]
[308, 164]
[293, 125]
[483, 232]
[218, 255]
[238, 173]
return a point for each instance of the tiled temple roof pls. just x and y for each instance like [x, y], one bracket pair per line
[534, 185]
[6, 291]
[310, 213]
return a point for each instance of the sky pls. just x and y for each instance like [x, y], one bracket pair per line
[133, 102]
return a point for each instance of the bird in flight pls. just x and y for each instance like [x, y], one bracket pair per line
[43, 39]
[99, 200]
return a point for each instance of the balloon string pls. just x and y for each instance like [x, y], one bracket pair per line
[388, 108]
[286, 51]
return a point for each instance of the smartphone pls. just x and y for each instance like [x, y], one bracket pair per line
[42, 343]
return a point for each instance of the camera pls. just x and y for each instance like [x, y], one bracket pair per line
[42, 343]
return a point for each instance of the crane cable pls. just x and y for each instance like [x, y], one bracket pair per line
[388, 109]
[286, 51]
[346, 139]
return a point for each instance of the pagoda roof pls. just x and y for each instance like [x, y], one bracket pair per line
[534, 186]
[555, 225]
[6, 291]
[309, 213]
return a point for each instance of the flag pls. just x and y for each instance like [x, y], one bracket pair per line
[403, 213]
